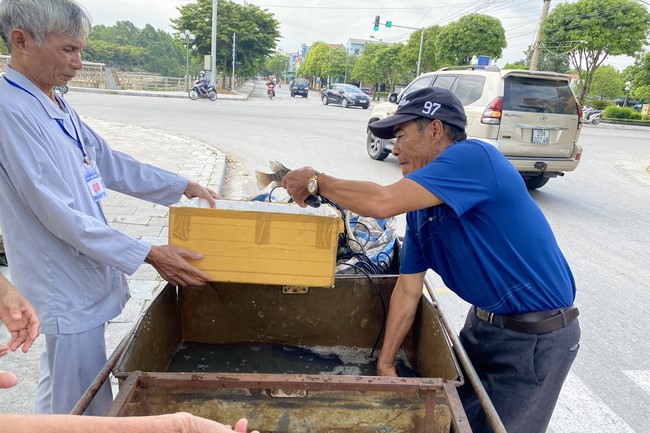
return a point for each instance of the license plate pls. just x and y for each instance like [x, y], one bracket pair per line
[541, 136]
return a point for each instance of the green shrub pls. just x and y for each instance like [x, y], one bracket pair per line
[614, 112]
[599, 104]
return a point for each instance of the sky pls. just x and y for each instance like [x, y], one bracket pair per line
[336, 21]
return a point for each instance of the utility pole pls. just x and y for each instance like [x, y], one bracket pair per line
[234, 58]
[534, 60]
[417, 73]
[213, 50]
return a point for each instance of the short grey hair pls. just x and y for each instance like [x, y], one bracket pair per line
[42, 17]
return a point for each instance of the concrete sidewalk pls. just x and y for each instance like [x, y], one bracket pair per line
[241, 93]
[194, 160]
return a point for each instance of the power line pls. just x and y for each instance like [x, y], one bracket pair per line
[344, 7]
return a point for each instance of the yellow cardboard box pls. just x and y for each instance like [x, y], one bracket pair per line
[261, 243]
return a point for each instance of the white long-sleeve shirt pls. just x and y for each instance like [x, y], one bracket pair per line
[64, 257]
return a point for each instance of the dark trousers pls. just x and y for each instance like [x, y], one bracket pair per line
[522, 373]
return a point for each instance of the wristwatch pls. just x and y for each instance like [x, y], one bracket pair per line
[312, 184]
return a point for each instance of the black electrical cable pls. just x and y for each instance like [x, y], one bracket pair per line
[359, 223]
[271, 192]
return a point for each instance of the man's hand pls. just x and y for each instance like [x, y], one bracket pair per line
[171, 263]
[295, 182]
[195, 190]
[7, 379]
[194, 424]
[19, 316]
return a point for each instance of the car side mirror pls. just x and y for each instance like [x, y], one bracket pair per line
[392, 98]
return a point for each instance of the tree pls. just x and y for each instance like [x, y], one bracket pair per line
[126, 46]
[592, 30]
[126, 56]
[519, 64]
[365, 69]
[428, 61]
[316, 61]
[277, 65]
[256, 29]
[471, 35]
[122, 33]
[548, 61]
[388, 63]
[607, 83]
[3, 47]
[379, 63]
[639, 75]
[326, 61]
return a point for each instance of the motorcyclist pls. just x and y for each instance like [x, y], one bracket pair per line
[270, 87]
[202, 83]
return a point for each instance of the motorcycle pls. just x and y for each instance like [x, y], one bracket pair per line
[270, 91]
[593, 116]
[196, 92]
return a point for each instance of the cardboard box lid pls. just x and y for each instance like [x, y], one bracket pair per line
[259, 242]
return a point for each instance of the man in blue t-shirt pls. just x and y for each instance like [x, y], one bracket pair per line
[471, 220]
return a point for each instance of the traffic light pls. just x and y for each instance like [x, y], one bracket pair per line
[377, 23]
[389, 24]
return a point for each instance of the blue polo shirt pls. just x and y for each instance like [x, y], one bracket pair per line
[489, 241]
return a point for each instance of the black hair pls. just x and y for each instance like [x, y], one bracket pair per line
[454, 133]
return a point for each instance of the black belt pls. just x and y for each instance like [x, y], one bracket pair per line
[536, 322]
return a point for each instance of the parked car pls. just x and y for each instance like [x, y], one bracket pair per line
[299, 86]
[532, 117]
[345, 94]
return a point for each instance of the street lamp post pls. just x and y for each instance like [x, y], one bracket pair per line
[628, 87]
[188, 37]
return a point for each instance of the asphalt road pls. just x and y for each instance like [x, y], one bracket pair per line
[600, 215]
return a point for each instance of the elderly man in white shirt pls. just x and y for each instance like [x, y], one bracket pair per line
[54, 172]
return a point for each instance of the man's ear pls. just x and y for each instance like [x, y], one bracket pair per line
[19, 39]
[437, 129]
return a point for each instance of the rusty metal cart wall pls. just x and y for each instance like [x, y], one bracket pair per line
[349, 314]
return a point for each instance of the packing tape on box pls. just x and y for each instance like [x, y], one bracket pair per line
[324, 235]
[263, 228]
[181, 224]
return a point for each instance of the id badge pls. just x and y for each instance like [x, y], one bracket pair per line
[94, 181]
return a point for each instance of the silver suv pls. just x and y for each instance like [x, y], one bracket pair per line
[532, 117]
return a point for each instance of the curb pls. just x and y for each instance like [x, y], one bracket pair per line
[180, 95]
[219, 170]
[627, 123]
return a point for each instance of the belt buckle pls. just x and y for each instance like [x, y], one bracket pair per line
[485, 315]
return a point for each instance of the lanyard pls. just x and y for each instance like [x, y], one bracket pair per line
[58, 121]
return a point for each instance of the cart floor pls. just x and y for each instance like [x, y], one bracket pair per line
[276, 358]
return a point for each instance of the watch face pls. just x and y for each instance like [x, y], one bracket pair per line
[312, 186]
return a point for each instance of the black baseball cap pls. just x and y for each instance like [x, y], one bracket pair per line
[430, 102]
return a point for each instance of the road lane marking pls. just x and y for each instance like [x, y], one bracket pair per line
[641, 378]
[580, 410]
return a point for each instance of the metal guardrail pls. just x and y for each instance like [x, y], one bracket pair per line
[153, 83]
[93, 75]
